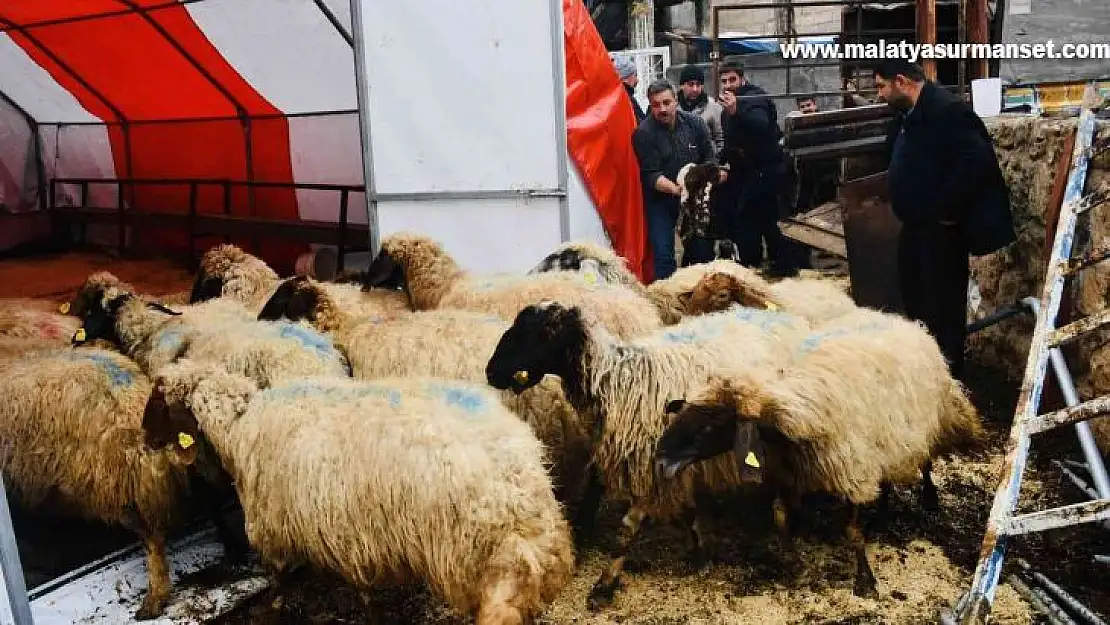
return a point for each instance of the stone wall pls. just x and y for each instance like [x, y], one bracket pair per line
[1028, 150]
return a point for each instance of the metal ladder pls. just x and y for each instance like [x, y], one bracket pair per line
[975, 606]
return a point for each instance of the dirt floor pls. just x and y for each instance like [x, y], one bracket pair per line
[923, 561]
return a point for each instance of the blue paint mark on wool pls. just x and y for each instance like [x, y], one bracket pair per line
[814, 340]
[707, 327]
[116, 374]
[468, 399]
[170, 339]
[308, 338]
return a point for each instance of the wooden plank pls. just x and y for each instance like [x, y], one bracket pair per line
[841, 149]
[927, 33]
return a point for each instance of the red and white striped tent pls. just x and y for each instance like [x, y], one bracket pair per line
[261, 90]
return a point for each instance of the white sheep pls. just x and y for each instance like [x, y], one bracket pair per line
[72, 422]
[591, 260]
[868, 401]
[453, 344]
[625, 385]
[433, 280]
[155, 336]
[402, 479]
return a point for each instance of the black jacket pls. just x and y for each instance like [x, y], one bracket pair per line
[944, 168]
[636, 108]
[752, 134]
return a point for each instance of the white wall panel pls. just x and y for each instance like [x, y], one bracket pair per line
[490, 236]
[585, 223]
[79, 152]
[35, 89]
[466, 101]
[286, 49]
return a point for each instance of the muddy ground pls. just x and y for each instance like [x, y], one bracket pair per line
[923, 561]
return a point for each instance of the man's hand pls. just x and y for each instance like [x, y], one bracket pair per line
[728, 101]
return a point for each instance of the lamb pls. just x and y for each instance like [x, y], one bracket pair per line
[155, 336]
[72, 419]
[816, 300]
[434, 280]
[32, 319]
[452, 344]
[401, 479]
[625, 385]
[867, 402]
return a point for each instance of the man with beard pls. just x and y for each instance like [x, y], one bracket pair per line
[758, 171]
[666, 141]
[693, 99]
[947, 189]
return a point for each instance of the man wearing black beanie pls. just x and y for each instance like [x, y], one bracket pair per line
[692, 98]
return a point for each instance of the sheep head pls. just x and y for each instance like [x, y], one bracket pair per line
[91, 292]
[544, 338]
[727, 415]
[101, 316]
[568, 258]
[227, 268]
[169, 424]
[719, 290]
[295, 299]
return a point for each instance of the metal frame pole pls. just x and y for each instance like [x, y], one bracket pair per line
[10, 568]
[362, 92]
[559, 88]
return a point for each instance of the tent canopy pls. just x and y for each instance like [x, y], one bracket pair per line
[241, 90]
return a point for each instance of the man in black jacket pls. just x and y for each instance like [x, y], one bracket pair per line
[758, 165]
[668, 139]
[947, 189]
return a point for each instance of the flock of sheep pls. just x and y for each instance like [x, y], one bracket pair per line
[415, 422]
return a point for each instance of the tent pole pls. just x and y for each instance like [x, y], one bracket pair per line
[362, 91]
[328, 13]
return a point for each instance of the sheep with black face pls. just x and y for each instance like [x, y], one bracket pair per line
[623, 386]
[866, 402]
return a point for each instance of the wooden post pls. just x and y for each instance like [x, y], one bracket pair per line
[641, 24]
[927, 33]
[978, 31]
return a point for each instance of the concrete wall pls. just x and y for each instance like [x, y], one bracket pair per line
[1028, 150]
[762, 21]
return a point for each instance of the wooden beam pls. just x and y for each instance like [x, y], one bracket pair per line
[927, 33]
[978, 31]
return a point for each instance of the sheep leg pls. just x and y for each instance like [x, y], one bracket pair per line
[930, 499]
[865, 585]
[588, 503]
[792, 563]
[698, 557]
[883, 507]
[601, 595]
[232, 537]
[158, 571]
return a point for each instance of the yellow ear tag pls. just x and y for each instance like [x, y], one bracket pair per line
[751, 460]
[79, 335]
[521, 376]
[64, 308]
[770, 306]
[184, 440]
[590, 277]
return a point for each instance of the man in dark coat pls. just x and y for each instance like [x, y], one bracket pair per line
[626, 70]
[668, 139]
[758, 171]
[947, 189]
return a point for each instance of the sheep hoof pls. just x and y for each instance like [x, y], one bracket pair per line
[697, 560]
[152, 608]
[601, 595]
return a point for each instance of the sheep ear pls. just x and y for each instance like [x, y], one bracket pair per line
[380, 271]
[161, 308]
[674, 406]
[684, 298]
[750, 452]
